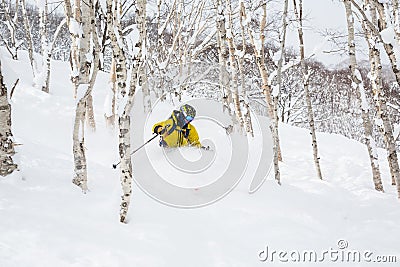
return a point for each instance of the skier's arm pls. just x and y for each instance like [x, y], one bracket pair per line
[158, 127]
[194, 137]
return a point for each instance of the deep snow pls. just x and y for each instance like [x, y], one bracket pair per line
[47, 221]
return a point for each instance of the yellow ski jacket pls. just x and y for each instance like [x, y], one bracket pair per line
[175, 136]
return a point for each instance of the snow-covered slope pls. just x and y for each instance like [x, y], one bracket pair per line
[46, 221]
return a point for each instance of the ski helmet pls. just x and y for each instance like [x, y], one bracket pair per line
[188, 111]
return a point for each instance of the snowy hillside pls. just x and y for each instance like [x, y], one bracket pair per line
[46, 221]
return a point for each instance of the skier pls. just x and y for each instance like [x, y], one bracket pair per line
[177, 130]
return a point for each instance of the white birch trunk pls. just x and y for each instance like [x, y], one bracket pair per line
[306, 77]
[90, 119]
[74, 57]
[223, 73]
[143, 76]
[96, 53]
[145, 88]
[374, 39]
[380, 98]
[118, 53]
[44, 79]
[28, 37]
[73, 51]
[276, 93]
[233, 67]
[125, 119]
[110, 118]
[7, 165]
[388, 47]
[358, 85]
[80, 169]
[47, 56]
[84, 80]
[246, 114]
[395, 12]
[78, 139]
[260, 60]
[85, 54]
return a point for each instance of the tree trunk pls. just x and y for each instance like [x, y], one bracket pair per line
[125, 119]
[382, 25]
[7, 165]
[84, 81]
[277, 90]
[380, 101]
[358, 85]
[143, 77]
[260, 60]
[45, 68]
[246, 114]
[73, 22]
[110, 114]
[118, 53]
[376, 78]
[86, 55]
[396, 18]
[46, 87]
[223, 73]
[379, 97]
[84, 44]
[145, 88]
[28, 37]
[233, 67]
[90, 112]
[306, 78]
[80, 177]
[126, 164]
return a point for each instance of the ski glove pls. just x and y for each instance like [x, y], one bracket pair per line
[158, 129]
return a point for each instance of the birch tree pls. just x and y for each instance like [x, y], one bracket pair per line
[259, 47]
[241, 62]
[373, 31]
[395, 18]
[221, 45]
[306, 77]
[84, 67]
[125, 99]
[145, 85]
[124, 121]
[73, 22]
[110, 113]
[388, 42]
[380, 98]
[28, 37]
[233, 66]
[277, 89]
[114, 32]
[7, 165]
[43, 79]
[358, 85]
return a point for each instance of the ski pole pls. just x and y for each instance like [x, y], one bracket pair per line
[134, 151]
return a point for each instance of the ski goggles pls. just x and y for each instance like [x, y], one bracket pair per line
[189, 118]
